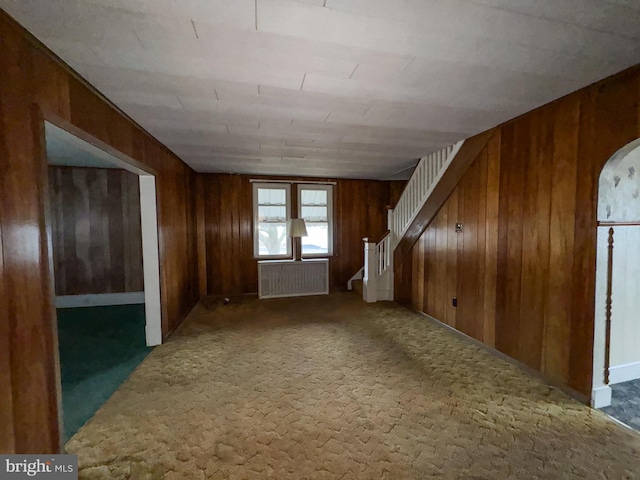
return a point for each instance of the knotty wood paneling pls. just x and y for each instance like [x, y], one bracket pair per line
[107, 256]
[523, 269]
[34, 84]
[226, 227]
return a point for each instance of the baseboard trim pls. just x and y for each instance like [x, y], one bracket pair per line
[180, 324]
[99, 299]
[601, 396]
[624, 373]
[580, 397]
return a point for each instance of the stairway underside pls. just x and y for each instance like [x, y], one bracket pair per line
[450, 179]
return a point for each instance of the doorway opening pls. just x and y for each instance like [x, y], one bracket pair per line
[616, 356]
[103, 243]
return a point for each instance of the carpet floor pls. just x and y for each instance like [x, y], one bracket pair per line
[99, 348]
[333, 388]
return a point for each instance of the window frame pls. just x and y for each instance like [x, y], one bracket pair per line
[329, 189]
[256, 222]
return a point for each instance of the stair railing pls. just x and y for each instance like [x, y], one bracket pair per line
[425, 177]
[377, 280]
[383, 254]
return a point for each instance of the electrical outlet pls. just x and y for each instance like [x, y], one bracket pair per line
[454, 302]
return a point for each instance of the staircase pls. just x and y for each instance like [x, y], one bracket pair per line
[377, 273]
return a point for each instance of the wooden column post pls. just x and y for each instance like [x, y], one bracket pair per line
[607, 345]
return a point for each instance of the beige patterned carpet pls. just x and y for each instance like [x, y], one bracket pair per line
[333, 388]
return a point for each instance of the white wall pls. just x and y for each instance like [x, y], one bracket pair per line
[619, 186]
[625, 305]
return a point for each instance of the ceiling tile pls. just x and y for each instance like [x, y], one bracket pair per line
[341, 88]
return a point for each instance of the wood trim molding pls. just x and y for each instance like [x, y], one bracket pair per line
[447, 184]
[99, 299]
[619, 224]
[99, 144]
[576, 395]
[54, 379]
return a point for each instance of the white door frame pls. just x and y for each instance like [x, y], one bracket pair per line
[150, 260]
[113, 158]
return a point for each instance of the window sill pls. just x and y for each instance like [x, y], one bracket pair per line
[273, 257]
[315, 257]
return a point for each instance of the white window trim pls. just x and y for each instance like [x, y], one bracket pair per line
[329, 189]
[256, 242]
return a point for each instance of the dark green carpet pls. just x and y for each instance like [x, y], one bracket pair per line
[99, 348]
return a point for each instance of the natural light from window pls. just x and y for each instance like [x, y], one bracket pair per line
[314, 206]
[314, 210]
[273, 212]
[272, 207]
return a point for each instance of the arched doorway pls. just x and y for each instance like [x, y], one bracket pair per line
[616, 358]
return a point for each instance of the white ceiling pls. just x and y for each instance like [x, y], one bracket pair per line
[338, 88]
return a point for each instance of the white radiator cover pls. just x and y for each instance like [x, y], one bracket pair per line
[290, 278]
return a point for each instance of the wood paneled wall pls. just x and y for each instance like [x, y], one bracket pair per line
[95, 230]
[34, 84]
[395, 192]
[226, 229]
[523, 269]
[7, 437]
[446, 264]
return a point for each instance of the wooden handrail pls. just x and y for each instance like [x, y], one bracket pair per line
[384, 235]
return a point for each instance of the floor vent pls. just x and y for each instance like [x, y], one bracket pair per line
[293, 279]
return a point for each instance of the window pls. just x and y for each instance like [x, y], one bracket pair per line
[315, 206]
[271, 210]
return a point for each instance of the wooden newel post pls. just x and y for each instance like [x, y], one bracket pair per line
[370, 280]
[607, 345]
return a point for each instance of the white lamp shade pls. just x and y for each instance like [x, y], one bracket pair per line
[297, 228]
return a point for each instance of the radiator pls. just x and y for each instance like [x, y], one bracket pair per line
[289, 278]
